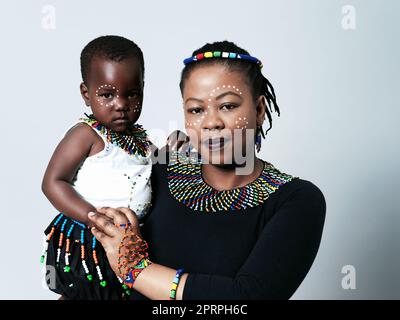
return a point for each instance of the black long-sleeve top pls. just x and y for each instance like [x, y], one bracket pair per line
[261, 252]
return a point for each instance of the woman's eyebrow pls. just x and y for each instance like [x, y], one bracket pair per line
[194, 99]
[227, 93]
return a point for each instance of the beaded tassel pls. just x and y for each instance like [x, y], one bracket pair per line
[60, 241]
[84, 265]
[49, 236]
[83, 252]
[67, 267]
[124, 286]
[103, 283]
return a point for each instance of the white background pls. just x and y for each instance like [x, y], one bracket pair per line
[337, 90]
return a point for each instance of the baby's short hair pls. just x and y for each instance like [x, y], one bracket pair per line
[114, 48]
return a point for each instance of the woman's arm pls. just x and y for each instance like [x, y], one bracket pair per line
[274, 269]
[73, 149]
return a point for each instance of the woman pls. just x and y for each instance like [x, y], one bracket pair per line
[233, 225]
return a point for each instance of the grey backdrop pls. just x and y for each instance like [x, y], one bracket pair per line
[337, 89]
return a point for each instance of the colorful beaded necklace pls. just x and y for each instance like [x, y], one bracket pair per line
[134, 141]
[188, 187]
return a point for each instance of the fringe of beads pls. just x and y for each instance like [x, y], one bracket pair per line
[65, 239]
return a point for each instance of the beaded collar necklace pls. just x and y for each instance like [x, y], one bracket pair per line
[186, 184]
[134, 141]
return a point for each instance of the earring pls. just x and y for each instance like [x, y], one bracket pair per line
[258, 138]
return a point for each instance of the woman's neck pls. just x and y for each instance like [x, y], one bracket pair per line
[226, 178]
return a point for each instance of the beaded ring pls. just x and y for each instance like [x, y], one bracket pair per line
[222, 54]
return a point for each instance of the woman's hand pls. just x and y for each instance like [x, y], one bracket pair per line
[110, 235]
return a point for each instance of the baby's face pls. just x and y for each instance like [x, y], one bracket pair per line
[114, 92]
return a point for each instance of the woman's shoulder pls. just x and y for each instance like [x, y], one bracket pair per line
[301, 194]
[303, 186]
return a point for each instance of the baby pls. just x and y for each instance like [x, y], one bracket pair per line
[103, 160]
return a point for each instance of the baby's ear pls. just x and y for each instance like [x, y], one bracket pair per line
[85, 93]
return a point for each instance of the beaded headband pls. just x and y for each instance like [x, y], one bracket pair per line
[220, 54]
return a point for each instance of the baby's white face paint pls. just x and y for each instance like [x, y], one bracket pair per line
[107, 95]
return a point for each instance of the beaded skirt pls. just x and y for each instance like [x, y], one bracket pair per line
[77, 265]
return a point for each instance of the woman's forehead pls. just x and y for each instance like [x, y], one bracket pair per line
[209, 79]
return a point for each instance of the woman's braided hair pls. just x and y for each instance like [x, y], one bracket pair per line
[260, 86]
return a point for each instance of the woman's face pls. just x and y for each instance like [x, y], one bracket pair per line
[221, 115]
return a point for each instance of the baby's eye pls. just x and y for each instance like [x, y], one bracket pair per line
[134, 95]
[228, 107]
[107, 95]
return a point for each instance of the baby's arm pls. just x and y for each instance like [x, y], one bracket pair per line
[78, 143]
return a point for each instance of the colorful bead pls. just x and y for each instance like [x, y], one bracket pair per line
[226, 55]
[67, 244]
[134, 141]
[186, 184]
[48, 238]
[175, 283]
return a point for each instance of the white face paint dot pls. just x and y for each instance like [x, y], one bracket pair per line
[217, 88]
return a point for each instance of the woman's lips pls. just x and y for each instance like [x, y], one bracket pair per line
[215, 144]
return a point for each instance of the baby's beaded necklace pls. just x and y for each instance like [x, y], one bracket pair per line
[134, 141]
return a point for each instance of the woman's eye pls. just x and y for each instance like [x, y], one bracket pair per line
[194, 110]
[228, 107]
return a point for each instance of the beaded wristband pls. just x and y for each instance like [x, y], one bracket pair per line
[175, 283]
[132, 275]
[134, 258]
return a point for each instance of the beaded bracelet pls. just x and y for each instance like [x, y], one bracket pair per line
[132, 275]
[175, 283]
[134, 259]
